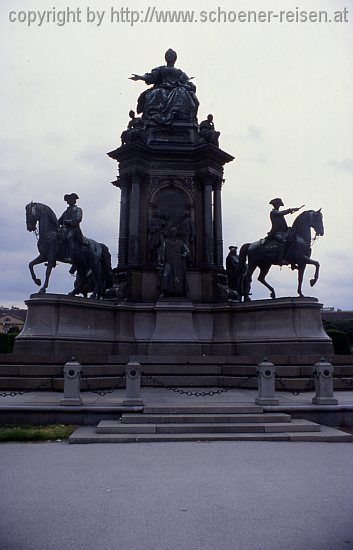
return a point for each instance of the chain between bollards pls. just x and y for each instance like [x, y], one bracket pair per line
[29, 390]
[103, 391]
[190, 393]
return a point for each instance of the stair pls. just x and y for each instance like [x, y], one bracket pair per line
[205, 423]
[21, 371]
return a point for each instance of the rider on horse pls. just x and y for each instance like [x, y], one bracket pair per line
[279, 229]
[69, 223]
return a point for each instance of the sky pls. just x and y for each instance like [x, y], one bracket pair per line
[281, 95]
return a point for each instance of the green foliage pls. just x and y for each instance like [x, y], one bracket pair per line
[52, 432]
[340, 341]
[14, 330]
[6, 342]
[341, 325]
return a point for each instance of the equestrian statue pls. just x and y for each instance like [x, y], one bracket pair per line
[283, 246]
[61, 240]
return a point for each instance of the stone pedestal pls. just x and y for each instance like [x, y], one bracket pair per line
[171, 180]
[266, 373]
[60, 325]
[173, 325]
[323, 381]
[133, 384]
[72, 377]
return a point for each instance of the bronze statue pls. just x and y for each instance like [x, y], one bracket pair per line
[279, 229]
[91, 261]
[187, 233]
[235, 274]
[69, 226]
[135, 130]
[208, 132]
[265, 253]
[232, 261]
[172, 96]
[156, 228]
[173, 254]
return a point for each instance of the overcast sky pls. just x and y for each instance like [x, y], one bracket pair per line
[281, 95]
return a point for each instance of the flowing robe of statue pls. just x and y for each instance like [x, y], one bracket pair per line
[171, 98]
[173, 254]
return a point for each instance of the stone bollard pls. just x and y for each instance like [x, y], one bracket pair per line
[323, 382]
[72, 377]
[266, 373]
[133, 385]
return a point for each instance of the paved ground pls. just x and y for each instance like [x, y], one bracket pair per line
[176, 496]
[158, 395]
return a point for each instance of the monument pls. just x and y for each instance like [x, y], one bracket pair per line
[170, 294]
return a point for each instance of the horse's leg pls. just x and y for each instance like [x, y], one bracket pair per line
[301, 269]
[247, 281]
[264, 269]
[38, 260]
[96, 267]
[317, 269]
[98, 282]
[50, 266]
[51, 263]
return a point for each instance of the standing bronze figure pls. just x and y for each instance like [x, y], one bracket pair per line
[266, 252]
[173, 254]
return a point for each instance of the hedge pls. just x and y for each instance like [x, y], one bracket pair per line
[7, 342]
[340, 341]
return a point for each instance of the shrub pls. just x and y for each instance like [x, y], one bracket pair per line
[7, 342]
[340, 341]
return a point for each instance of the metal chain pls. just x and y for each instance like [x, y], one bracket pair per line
[308, 385]
[100, 391]
[283, 385]
[28, 390]
[190, 393]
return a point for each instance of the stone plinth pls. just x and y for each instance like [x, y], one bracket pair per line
[323, 381]
[58, 324]
[266, 375]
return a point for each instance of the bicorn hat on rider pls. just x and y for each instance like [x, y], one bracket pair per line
[276, 202]
[69, 196]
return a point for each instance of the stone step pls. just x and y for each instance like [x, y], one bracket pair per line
[204, 408]
[200, 418]
[116, 427]
[87, 434]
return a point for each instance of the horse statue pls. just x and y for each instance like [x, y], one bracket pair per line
[264, 253]
[91, 262]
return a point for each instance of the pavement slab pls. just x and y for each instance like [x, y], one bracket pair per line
[181, 496]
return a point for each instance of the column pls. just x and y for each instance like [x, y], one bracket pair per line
[208, 241]
[123, 225]
[134, 219]
[217, 216]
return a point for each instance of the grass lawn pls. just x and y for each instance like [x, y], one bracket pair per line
[52, 432]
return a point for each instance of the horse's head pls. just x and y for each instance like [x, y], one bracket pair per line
[310, 218]
[31, 216]
[318, 223]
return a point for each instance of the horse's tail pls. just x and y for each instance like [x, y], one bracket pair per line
[242, 257]
[240, 270]
[106, 260]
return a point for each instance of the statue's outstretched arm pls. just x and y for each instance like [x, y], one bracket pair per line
[137, 77]
[148, 78]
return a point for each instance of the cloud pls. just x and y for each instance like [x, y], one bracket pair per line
[344, 165]
[252, 132]
[66, 108]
